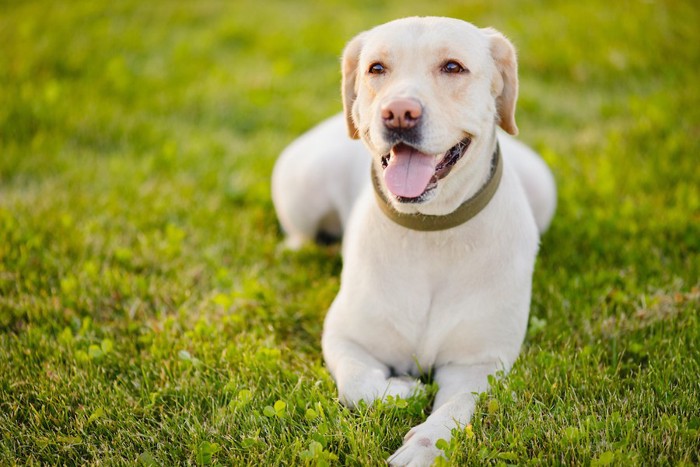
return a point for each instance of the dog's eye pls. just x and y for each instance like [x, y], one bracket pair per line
[376, 69]
[453, 67]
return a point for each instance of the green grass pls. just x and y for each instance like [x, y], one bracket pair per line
[148, 316]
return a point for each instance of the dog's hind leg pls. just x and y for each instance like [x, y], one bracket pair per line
[308, 226]
[536, 179]
[303, 215]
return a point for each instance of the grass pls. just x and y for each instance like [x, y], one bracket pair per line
[147, 315]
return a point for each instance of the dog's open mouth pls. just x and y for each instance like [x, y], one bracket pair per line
[410, 175]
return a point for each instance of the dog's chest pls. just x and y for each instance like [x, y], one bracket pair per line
[434, 301]
[422, 299]
[455, 321]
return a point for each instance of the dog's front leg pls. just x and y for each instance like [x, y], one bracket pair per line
[360, 376]
[459, 386]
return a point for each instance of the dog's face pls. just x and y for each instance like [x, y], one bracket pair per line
[424, 93]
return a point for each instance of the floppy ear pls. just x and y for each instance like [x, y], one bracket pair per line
[351, 57]
[505, 84]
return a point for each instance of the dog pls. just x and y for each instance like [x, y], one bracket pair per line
[440, 214]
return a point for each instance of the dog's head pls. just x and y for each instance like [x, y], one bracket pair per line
[423, 94]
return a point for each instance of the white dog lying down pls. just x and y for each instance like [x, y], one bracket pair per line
[440, 242]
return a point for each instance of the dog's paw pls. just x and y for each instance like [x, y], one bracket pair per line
[419, 451]
[419, 448]
[292, 243]
[403, 387]
[369, 390]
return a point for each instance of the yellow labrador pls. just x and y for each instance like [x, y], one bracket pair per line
[440, 214]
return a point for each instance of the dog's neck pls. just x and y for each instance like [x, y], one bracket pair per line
[464, 212]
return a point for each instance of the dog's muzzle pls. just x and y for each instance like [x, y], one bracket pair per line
[466, 211]
[411, 176]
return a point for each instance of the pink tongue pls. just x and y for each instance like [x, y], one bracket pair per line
[409, 171]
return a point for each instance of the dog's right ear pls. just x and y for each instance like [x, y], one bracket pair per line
[351, 57]
[506, 80]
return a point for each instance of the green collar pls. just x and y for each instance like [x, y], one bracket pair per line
[467, 210]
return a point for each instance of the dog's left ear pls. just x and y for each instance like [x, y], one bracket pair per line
[504, 85]
[351, 57]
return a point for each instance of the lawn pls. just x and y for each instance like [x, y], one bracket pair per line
[148, 315]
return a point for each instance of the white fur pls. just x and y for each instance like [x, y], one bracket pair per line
[453, 303]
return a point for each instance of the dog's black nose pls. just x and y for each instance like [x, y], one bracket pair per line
[401, 114]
